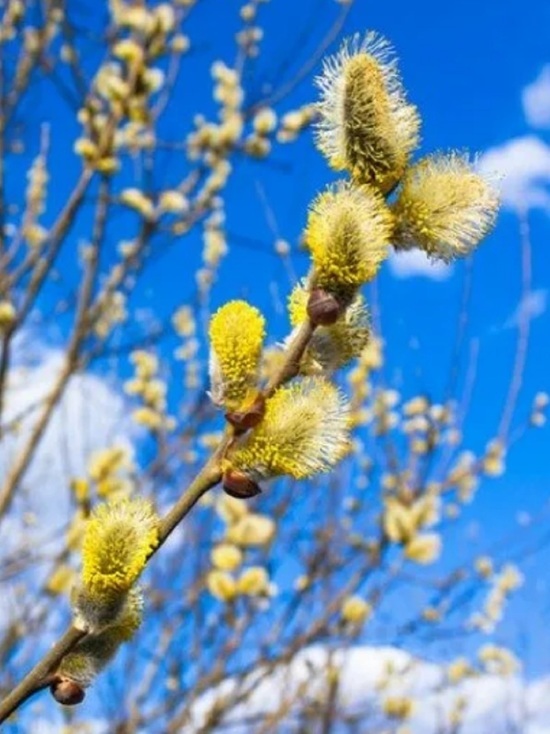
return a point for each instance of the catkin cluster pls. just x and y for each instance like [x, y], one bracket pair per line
[107, 604]
[285, 415]
[367, 128]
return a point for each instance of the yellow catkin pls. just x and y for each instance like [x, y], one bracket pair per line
[226, 557]
[237, 331]
[61, 579]
[425, 548]
[221, 585]
[348, 233]
[254, 581]
[117, 542]
[355, 610]
[366, 125]
[444, 208]
[251, 530]
[398, 707]
[304, 432]
[231, 509]
[7, 315]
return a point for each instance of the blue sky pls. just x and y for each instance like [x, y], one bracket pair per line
[469, 67]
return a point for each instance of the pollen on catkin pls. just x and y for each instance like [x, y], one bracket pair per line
[90, 656]
[118, 539]
[444, 208]
[117, 542]
[348, 233]
[366, 125]
[237, 331]
[331, 347]
[304, 432]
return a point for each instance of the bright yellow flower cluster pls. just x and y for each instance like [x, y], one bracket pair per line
[398, 707]
[258, 144]
[122, 92]
[226, 557]
[444, 207]
[111, 312]
[355, 610]
[251, 530]
[108, 469]
[348, 234]
[502, 585]
[304, 431]
[244, 529]
[118, 540]
[498, 660]
[493, 463]
[185, 325]
[8, 315]
[61, 579]
[458, 670]
[368, 128]
[236, 333]
[403, 524]
[254, 581]
[135, 199]
[294, 122]
[151, 390]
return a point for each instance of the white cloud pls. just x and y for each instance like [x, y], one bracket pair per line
[90, 416]
[523, 168]
[494, 704]
[531, 306]
[415, 263]
[536, 100]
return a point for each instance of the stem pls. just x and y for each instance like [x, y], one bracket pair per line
[295, 352]
[207, 478]
[40, 676]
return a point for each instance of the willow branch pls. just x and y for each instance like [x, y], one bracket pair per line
[211, 474]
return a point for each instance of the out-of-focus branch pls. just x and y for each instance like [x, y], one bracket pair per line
[524, 323]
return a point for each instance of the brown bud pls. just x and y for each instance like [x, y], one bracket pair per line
[239, 485]
[67, 692]
[243, 420]
[323, 308]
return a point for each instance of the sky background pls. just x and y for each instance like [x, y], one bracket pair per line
[480, 75]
